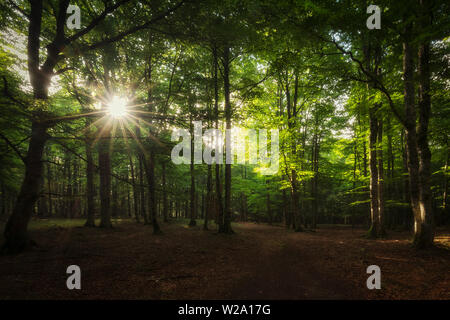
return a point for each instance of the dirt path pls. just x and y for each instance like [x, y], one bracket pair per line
[258, 262]
[282, 269]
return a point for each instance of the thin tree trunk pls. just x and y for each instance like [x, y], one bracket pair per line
[104, 162]
[164, 191]
[287, 222]
[381, 229]
[192, 221]
[90, 222]
[219, 204]
[209, 197]
[315, 180]
[374, 227]
[150, 169]
[141, 179]
[445, 192]
[226, 87]
[49, 188]
[135, 190]
[296, 218]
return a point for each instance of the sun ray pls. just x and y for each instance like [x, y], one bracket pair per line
[76, 116]
[113, 134]
[149, 112]
[124, 134]
[85, 129]
[140, 105]
[136, 123]
[150, 135]
[106, 126]
[136, 138]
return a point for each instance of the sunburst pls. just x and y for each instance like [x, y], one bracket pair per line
[118, 107]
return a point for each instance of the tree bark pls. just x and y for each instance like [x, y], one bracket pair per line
[141, 158]
[150, 170]
[218, 202]
[16, 235]
[417, 146]
[445, 188]
[192, 221]
[411, 136]
[135, 190]
[226, 87]
[314, 182]
[90, 222]
[381, 229]
[425, 238]
[164, 191]
[209, 198]
[374, 213]
[49, 188]
[295, 209]
[104, 163]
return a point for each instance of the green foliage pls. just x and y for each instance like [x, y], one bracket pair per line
[287, 73]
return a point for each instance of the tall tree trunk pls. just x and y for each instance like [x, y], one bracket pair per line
[355, 161]
[226, 87]
[150, 169]
[192, 208]
[164, 191]
[411, 136]
[381, 229]
[141, 179]
[16, 235]
[391, 186]
[374, 227]
[104, 162]
[128, 200]
[90, 222]
[268, 204]
[295, 209]
[406, 196]
[115, 200]
[425, 237]
[314, 182]
[135, 190]
[445, 188]
[69, 199]
[49, 188]
[15, 232]
[209, 197]
[287, 220]
[372, 56]
[219, 203]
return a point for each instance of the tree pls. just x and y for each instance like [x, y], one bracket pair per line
[40, 77]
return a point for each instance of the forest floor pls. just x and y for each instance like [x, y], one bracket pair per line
[257, 262]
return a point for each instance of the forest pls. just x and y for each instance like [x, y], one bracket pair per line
[261, 149]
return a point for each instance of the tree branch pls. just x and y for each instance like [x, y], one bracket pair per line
[62, 70]
[95, 22]
[13, 147]
[122, 35]
[9, 95]
[377, 83]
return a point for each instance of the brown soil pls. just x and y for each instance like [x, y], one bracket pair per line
[258, 262]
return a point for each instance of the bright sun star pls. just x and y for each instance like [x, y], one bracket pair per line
[117, 107]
